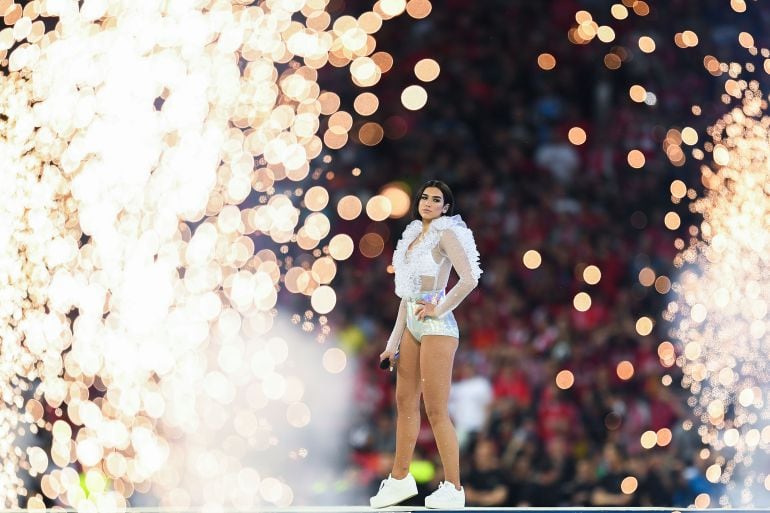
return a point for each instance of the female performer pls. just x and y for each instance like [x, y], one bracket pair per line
[430, 246]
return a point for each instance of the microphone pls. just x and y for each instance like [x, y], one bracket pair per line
[385, 364]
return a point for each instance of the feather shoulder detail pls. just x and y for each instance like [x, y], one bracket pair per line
[465, 237]
[406, 283]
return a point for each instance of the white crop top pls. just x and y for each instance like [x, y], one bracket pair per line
[448, 243]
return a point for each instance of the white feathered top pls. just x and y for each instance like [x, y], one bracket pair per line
[426, 266]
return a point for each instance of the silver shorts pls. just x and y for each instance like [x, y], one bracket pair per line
[446, 325]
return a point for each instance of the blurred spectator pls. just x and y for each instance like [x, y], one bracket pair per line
[553, 467]
[558, 157]
[469, 399]
[578, 492]
[485, 483]
[608, 491]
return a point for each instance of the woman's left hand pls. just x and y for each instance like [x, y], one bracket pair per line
[424, 310]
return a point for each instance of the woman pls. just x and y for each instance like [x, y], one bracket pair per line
[425, 339]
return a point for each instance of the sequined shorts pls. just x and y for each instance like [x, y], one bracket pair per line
[446, 325]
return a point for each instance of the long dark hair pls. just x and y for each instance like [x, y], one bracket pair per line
[449, 198]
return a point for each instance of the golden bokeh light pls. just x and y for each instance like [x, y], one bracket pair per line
[324, 269]
[316, 198]
[370, 22]
[619, 11]
[712, 65]
[427, 70]
[647, 276]
[583, 17]
[605, 34]
[365, 72]
[371, 245]
[721, 155]
[612, 61]
[366, 104]
[335, 141]
[732, 435]
[640, 7]
[334, 360]
[690, 39]
[341, 247]
[702, 501]
[625, 370]
[577, 135]
[679, 40]
[546, 61]
[698, 312]
[592, 275]
[629, 485]
[383, 60]
[672, 221]
[678, 189]
[636, 159]
[689, 136]
[666, 352]
[664, 437]
[330, 102]
[565, 379]
[644, 326]
[397, 194]
[340, 122]
[713, 473]
[349, 207]
[663, 284]
[532, 259]
[323, 299]
[646, 44]
[637, 93]
[581, 302]
[649, 439]
[392, 7]
[746, 40]
[414, 97]
[378, 208]
[746, 397]
[419, 9]
[371, 133]
[298, 415]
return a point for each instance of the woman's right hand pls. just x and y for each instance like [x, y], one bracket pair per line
[388, 353]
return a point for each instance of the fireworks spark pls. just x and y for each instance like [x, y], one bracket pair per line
[138, 290]
[721, 315]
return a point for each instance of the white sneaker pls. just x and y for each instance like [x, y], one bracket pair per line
[392, 491]
[446, 497]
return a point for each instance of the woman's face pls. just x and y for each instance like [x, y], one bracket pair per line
[432, 204]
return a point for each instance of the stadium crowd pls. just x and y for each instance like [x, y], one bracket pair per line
[495, 128]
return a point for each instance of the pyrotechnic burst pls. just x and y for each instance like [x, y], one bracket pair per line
[721, 314]
[137, 294]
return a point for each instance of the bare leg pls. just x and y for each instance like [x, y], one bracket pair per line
[407, 404]
[436, 360]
